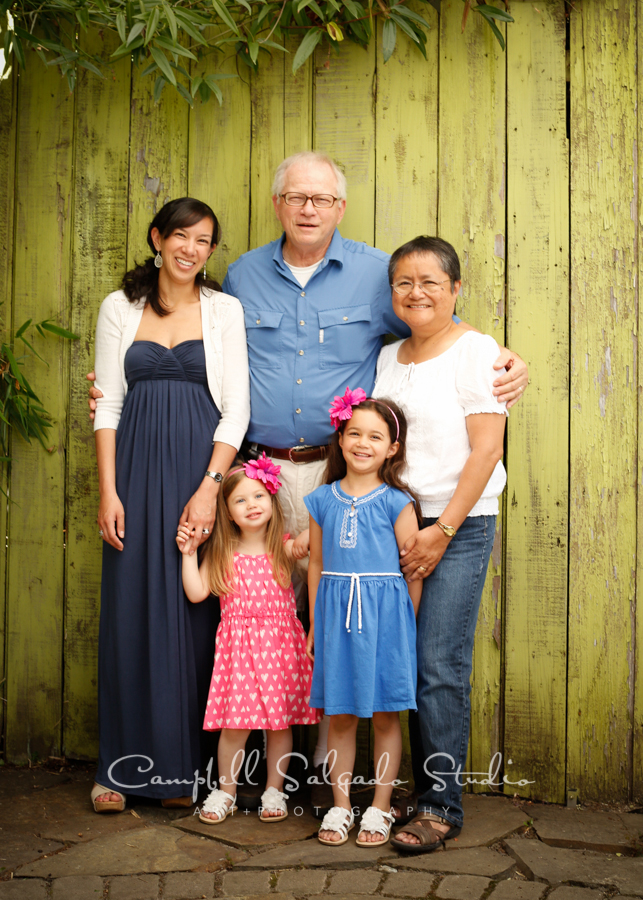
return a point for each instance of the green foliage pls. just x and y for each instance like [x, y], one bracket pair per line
[161, 36]
[20, 407]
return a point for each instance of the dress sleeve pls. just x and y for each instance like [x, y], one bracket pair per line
[475, 376]
[109, 379]
[315, 504]
[235, 387]
[396, 502]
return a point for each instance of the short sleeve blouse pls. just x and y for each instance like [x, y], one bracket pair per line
[436, 396]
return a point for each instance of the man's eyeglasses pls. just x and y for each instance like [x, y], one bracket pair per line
[404, 288]
[319, 201]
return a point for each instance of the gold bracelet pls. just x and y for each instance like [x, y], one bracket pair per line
[449, 530]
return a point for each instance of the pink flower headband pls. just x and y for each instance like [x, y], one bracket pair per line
[342, 407]
[262, 469]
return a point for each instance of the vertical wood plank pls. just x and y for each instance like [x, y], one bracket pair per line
[44, 219]
[298, 102]
[637, 749]
[219, 161]
[99, 258]
[158, 159]
[603, 399]
[471, 215]
[538, 434]
[8, 123]
[344, 128]
[406, 115]
[267, 99]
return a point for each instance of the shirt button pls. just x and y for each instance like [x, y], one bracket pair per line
[303, 293]
[299, 381]
[297, 410]
[258, 321]
[301, 352]
[301, 322]
[346, 318]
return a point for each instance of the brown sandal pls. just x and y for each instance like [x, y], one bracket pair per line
[421, 828]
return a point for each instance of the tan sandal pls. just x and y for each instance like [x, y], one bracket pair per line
[106, 805]
[421, 828]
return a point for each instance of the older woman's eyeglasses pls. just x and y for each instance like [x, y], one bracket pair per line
[404, 288]
[319, 201]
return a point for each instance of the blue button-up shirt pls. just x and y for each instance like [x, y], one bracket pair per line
[305, 345]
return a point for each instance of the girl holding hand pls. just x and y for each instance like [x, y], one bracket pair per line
[261, 676]
[362, 612]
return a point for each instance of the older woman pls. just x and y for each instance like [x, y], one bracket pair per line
[172, 366]
[442, 377]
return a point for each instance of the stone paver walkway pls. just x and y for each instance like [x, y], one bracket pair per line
[54, 847]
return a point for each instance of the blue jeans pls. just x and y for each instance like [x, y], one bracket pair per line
[446, 627]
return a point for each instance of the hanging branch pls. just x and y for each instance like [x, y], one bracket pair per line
[162, 36]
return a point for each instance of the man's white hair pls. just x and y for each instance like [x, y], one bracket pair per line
[308, 156]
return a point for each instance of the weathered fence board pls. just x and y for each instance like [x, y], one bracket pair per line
[219, 163]
[99, 248]
[535, 618]
[471, 215]
[637, 611]
[8, 116]
[268, 123]
[406, 199]
[603, 417]
[35, 585]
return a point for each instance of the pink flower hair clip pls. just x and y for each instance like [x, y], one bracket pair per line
[342, 407]
[263, 469]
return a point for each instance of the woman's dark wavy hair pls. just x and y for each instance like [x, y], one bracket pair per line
[143, 280]
[391, 469]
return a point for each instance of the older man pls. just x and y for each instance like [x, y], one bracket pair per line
[317, 307]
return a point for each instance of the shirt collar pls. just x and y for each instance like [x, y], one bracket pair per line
[335, 253]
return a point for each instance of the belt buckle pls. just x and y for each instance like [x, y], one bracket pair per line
[297, 450]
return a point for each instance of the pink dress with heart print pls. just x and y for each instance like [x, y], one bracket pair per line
[261, 676]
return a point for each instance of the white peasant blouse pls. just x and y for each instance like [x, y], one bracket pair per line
[226, 359]
[436, 396]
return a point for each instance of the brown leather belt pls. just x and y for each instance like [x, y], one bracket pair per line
[295, 454]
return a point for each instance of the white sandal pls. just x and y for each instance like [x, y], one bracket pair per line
[106, 805]
[273, 800]
[340, 820]
[216, 803]
[375, 821]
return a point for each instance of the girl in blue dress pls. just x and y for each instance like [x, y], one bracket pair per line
[362, 612]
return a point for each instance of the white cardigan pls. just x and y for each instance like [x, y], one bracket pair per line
[226, 360]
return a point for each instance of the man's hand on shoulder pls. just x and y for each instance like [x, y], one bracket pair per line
[509, 386]
[94, 395]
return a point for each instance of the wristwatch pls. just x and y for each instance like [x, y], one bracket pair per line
[218, 477]
[449, 530]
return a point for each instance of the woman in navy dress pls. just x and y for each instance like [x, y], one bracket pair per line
[171, 365]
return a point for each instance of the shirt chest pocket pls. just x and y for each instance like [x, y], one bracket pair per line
[263, 331]
[343, 335]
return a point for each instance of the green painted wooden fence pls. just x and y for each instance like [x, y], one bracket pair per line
[527, 162]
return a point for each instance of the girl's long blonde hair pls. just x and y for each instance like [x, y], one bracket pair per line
[218, 552]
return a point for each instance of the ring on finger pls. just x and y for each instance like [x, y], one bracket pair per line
[421, 568]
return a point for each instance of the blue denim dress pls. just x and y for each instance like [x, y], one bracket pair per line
[365, 657]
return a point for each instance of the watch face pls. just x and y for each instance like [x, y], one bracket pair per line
[218, 476]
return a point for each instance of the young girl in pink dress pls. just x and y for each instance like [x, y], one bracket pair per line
[261, 676]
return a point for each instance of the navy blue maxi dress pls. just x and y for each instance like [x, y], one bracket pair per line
[156, 649]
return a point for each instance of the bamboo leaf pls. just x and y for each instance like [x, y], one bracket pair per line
[305, 49]
[159, 84]
[210, 80]
[415, 17]
[171, 20]
[492, 12]
[389, 37]
[162, 62]
[59, 330]
[406, 28]
[173, 47]
[224, 15]
[186, 96]
[17, 49]
[152, 24]
[121, 26]
[497, 32]
[23, 328]
[86, 64]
